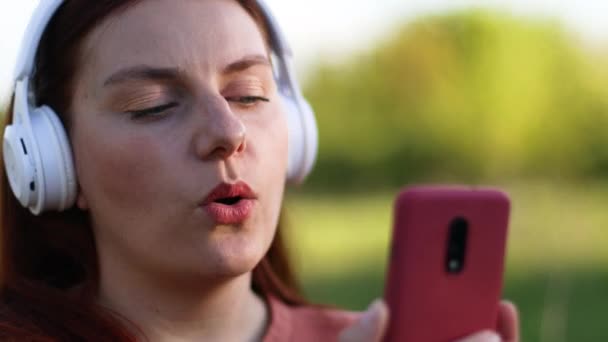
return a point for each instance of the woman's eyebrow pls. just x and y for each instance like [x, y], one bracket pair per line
[146, 73]
[143, 73]
[246, 63]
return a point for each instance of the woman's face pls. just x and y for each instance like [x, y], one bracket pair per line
[172, 99]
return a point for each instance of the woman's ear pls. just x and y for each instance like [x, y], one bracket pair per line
[81, 200]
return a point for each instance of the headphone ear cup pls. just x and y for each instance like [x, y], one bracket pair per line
[303, 138]
[57, 188]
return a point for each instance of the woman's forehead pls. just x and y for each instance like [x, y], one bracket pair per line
[201, 34]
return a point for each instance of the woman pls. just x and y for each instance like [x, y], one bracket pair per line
[179, 142]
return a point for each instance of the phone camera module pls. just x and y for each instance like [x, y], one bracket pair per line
[456, 245]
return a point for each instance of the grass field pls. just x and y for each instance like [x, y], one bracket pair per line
[557, 264]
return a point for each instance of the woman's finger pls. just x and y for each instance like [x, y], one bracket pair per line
[370, 327]
[508, 322]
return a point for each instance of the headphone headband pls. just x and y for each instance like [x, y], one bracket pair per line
[33, 34]
[46, 9]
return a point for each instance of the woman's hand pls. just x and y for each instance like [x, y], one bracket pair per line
[508, 327]
[372, 325]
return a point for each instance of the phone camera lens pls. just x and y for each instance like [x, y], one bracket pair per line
[454, 265]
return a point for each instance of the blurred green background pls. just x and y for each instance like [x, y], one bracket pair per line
[473, 97]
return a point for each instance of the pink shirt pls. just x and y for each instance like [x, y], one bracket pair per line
[305, 323]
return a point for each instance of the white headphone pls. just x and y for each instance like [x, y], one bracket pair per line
[37, 154]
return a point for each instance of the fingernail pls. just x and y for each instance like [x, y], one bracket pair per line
[484, 336]
[370, 314]
[493, 337]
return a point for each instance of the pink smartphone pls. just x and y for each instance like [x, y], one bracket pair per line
[446, 263]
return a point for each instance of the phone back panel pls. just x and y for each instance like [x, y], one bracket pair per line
[427, 303]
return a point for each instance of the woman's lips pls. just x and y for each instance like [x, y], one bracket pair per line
[230, 203]
[230, 214]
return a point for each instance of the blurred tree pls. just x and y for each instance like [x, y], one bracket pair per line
[466, 96]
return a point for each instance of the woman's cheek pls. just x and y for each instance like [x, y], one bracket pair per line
[117, 170]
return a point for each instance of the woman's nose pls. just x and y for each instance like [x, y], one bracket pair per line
[222, 133]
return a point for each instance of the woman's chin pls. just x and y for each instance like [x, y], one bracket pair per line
[233, 257]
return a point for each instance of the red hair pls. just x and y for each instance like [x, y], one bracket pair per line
[48, 271]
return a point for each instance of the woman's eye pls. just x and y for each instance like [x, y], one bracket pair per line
[247, 100]
[153, 111]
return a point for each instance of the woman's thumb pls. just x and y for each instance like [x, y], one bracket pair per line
[370, 326]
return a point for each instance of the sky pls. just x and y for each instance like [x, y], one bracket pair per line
[335, 28]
